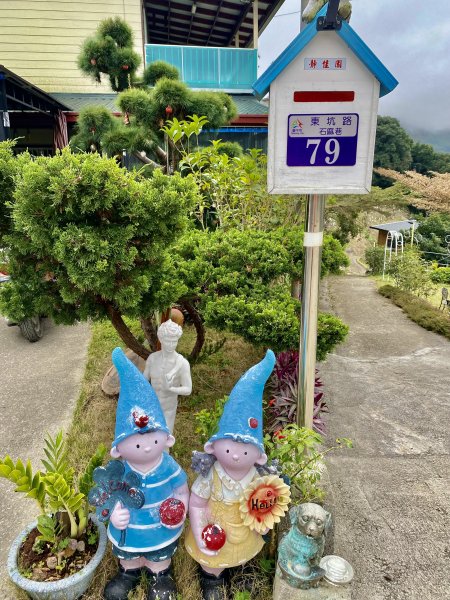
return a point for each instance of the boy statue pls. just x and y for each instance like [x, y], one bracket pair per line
[168, 371]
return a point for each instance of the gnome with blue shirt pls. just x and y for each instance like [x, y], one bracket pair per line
[145, 538]
[236, 498]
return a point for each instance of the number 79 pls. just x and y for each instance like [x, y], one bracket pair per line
[332, 149]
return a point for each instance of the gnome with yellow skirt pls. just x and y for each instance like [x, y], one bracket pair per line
[235, 500]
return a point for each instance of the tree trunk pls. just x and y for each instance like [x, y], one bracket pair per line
[296, 287]
[140, 156]
[124, 332]
[199, 328]
[150, 331]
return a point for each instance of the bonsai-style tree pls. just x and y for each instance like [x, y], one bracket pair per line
[240, 281]
[89, 240]
[146, 104]
[110, 52]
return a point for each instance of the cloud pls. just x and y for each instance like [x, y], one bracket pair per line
[412, 40]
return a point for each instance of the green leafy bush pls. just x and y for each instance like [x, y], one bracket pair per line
[418, 310]
[297, 449]
[411, 273]
[374, 258]
[240, 282]
[441, 275]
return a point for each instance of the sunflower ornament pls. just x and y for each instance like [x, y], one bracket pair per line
[264, 502]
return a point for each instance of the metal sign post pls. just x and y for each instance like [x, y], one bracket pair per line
[312, 258]
[324, 91]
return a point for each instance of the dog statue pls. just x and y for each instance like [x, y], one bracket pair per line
[313, 7]
[302, 547]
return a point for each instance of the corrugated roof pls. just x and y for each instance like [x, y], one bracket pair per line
[206, 23]
[246, 103]
[396, 226]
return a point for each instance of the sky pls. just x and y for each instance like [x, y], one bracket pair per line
[412, 41]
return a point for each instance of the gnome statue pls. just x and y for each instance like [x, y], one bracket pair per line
[232, 505]
[144, 534]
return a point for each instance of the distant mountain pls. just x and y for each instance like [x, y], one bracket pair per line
[440, 140]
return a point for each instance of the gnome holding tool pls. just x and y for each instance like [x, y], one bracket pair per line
[231, 504]
[145, 538]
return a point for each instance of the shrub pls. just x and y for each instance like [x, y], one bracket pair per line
[374, 258]
[411, 273]
[441, 275]
[297, 452]
[418, 310]
[159, 69]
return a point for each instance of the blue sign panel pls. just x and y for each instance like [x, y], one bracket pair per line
[322, 140]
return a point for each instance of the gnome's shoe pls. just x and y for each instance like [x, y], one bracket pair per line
[123, 583]
[162, 585]
[213, 588]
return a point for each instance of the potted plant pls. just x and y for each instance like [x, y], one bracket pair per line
[55, 557]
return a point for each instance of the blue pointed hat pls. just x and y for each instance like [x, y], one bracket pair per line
[138, 408]
[242, 417]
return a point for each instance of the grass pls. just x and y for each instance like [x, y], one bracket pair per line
[418, 310]
[94, 420]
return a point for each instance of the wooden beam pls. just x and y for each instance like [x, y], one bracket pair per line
[243, 14]
[255, 23]
[219, 6]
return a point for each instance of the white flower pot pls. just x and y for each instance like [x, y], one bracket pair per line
[69, 588]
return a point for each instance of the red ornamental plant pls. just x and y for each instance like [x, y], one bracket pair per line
[282, 406]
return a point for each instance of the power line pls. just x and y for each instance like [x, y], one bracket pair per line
[296, 12]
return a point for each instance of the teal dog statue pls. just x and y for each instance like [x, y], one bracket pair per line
[302, 547]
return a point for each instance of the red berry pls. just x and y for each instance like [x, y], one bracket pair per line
[140, 420]
[125, 67]
[171, 512]
[214, 537]
[253, 423]
[105, 512]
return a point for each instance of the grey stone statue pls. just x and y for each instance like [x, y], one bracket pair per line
[302, 547]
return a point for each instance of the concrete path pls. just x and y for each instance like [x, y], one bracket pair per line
[388, 388]
[39, 384]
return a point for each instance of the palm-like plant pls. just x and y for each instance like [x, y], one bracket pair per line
[63, 503]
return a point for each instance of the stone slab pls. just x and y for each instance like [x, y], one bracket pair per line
[325, 591]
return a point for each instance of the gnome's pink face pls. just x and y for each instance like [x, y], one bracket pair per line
[143, 449]
[236, 455]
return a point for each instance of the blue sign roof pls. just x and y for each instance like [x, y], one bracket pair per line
[348, 35]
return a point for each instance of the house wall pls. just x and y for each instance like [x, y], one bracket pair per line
[40, 39]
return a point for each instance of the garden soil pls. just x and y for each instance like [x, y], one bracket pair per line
[39, 385]
[388, 388]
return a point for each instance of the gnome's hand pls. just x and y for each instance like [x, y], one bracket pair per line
[202, 546]
[120, 517]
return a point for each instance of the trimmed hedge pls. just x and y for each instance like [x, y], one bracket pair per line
[441, 275]
[418, 310]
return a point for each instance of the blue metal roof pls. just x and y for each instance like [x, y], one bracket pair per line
[348, 35]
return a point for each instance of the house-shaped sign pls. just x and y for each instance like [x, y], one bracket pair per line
[324, 91]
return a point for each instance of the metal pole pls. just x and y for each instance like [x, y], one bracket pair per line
[312, 242]
[312, 257]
